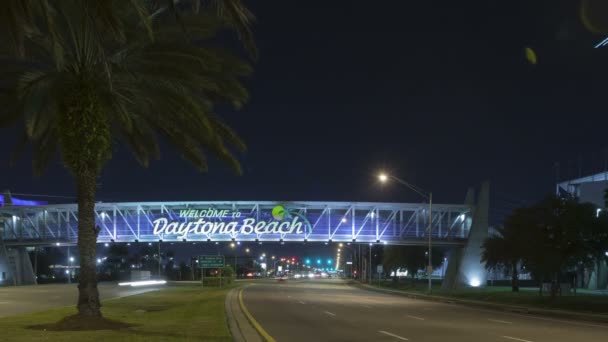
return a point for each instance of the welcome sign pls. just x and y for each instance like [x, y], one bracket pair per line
[212, 221]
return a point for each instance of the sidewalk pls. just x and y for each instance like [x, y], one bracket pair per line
[495, 306]
[240, 327]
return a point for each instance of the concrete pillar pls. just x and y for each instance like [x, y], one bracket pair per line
[464, 266]
[16, 268]
[599, 280]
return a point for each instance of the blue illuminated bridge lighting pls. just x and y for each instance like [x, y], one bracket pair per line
[358, 222]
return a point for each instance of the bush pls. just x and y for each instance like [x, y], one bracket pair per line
[215, 281]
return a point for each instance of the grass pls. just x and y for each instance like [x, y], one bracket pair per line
[175, 314]
[584, 303]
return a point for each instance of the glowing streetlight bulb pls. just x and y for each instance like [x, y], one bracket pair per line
[383, 177]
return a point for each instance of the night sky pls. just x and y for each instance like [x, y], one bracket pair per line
[438, 93]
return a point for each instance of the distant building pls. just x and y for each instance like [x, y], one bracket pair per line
[589, 189]
[586, 189]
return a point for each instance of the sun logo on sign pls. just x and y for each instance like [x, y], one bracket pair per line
[281, 213]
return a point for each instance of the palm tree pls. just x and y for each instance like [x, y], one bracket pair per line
[80, 74]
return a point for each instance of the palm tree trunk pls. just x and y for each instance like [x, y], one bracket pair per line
[514, 279]
[88, 294]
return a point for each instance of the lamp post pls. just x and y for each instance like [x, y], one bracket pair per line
[352, 250]
[383, 177]
[233, 245]
[159, 241]
[263, 257]
[71, 259]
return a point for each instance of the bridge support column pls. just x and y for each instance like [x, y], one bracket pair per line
[464, 265]
[16, 268]
[599, 280]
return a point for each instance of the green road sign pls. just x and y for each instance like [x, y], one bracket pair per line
[210, 261]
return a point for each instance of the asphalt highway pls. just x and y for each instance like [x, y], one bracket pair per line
[330, 310]
[23, 299]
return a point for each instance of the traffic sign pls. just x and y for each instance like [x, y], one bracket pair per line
[210, 261]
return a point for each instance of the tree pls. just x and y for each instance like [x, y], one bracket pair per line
[80, 74]
[392, 259]
[507, 248]
[556, 231]
[411, 258]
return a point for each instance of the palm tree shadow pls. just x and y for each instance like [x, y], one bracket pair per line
[78, 323]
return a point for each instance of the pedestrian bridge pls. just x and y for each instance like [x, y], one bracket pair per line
[461, 226]
[361, 222]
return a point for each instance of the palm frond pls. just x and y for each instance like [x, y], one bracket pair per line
[147, 77]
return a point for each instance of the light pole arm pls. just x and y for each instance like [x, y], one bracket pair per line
[426, 195]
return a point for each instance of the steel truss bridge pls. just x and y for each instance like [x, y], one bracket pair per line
[360, 222]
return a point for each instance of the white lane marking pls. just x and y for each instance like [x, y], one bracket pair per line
[366, 306]
[499, 321]
[4, 302]
[427, 309]
[301, 302]
[288, 296]
[414, 317]
[329, 313]
[393, 335]
[526, 316]
[516, 339]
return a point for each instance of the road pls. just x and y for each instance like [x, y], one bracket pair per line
[23, 299]
[330, 310]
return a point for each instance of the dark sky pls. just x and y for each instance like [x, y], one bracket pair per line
[437, 92]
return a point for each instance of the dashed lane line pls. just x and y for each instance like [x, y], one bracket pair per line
[393, 335]
[499, 321]
[516, 339]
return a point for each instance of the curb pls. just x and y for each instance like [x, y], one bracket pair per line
[252, 320]
[240, 328]
[493, 306]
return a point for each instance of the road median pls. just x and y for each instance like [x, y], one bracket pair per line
[184, 313]
[243, 326]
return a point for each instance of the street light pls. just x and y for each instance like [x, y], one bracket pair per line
[69, 270]
[232, 245]
[383, 177]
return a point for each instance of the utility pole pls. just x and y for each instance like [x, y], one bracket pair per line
[159, 259]
[369, 267]
[430, 268]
